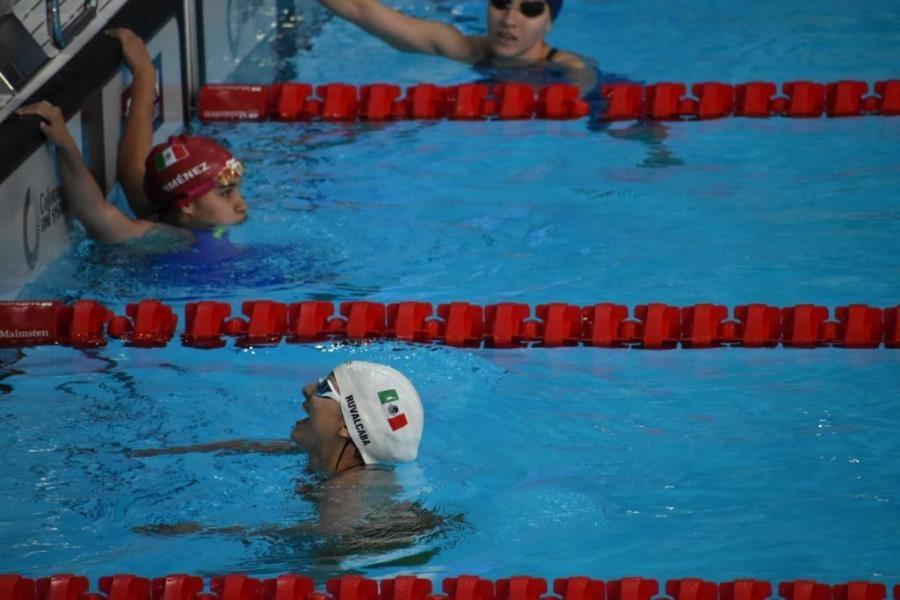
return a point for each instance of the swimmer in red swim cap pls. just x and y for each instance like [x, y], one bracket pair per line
[193, 181]
[186, 181]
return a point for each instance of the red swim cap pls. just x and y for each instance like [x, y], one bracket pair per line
[185, 167]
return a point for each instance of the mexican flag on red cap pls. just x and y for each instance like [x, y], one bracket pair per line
[170, 156]
[389, 402]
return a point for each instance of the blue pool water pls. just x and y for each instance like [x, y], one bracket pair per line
[725, 463]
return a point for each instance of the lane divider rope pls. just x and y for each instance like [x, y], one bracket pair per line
[654, 326]
[411, 587]
[478, 101]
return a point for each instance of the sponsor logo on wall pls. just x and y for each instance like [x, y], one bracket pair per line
[40, 214]
[158, 113]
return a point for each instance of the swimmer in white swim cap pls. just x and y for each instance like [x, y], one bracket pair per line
[361, 414]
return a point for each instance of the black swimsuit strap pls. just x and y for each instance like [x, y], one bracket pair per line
[550, 55]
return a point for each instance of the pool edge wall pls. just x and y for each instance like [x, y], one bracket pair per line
[92, 89]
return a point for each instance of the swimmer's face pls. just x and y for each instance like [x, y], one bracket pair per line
[223, 205]
[322, 434]
[514, 36]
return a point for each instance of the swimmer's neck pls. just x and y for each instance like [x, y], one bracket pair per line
[533, 57]
[347, 461]
[348, 471]
[322, 482]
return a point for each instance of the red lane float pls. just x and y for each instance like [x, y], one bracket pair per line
[667, 101]
[405, 587]
[379, 102]
[860, 590]
[410, 587]
[61, 587]
[521, 588]
[468, 587]
[579, 588]
[125, 587]
[654, 326]
[804, 589]
[384, 102]
[352, 587]
[149, 324]
[16, 587]
[631, 588]
[287, 587]
[745, 589]
[223, 102]
[266, 325]
[892, 331]
[176, 587]
[205, 324]
[29, 323]
[691, 588]
[713, 100]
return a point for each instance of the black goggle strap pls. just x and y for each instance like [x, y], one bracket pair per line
[341, 455]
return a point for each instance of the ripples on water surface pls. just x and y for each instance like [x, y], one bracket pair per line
[730, 463]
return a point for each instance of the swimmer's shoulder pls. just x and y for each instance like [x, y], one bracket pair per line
[577, 69]
[569, 60]
[479, 49]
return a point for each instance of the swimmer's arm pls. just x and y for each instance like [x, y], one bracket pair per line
[192, 527]
[137, 136]
[409, 34]
[577, 71]
[102, 220]
[224, 447]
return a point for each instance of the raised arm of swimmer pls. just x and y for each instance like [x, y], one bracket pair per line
[188, 181]
[409, 34]
[102, 220]
[516, 31]
[137, 135]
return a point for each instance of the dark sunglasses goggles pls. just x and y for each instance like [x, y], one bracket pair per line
[326, 389]
[529, 8]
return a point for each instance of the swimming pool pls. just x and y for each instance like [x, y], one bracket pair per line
[776, 464]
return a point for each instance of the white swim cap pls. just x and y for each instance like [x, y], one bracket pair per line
[382, 411]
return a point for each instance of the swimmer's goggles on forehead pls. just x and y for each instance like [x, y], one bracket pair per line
[326, 389]
[231, 173]
[529, 8]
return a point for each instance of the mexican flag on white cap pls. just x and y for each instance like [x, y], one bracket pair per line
[382, 411]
